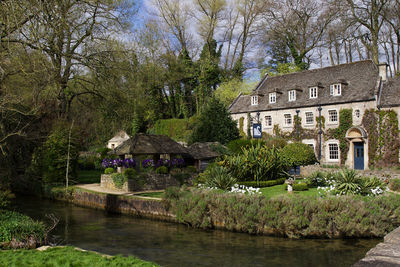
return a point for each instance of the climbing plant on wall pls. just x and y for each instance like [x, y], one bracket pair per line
[382, 127]
[339, 133]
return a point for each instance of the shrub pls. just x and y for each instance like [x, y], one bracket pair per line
[263, 183]
[14, 225]
[218, 177]
[298, 154]
[162, 170]
[236, 146]
[394, 185]
[109, 170]
[119, 179]
[256, 163]
[347, 182]
[130, 173]
[317, 178]
[215, 113]
[300, 187]
[191, 169]
[295, 217]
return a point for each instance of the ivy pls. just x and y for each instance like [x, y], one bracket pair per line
[241, 125]
[339, 133]
[382, 127]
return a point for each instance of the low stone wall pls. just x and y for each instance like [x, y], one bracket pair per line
[386, 253]
[382, 174]
[147, 208]
[154, 181]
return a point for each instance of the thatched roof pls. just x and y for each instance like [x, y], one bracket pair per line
[359, 79]
[149, 144]
[203, 150]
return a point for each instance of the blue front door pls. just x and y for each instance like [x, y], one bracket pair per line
[359, 156]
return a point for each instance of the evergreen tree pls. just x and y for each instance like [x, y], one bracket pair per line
[215, 124]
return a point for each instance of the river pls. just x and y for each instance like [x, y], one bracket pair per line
[170, 244]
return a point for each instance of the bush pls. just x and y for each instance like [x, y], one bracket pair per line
[215, 113]
[162, 170]
[236, 146]
[256, 163]
[109, 171]
[300, 187]
[218, 177]
[14, 225]
[191, 169]
[317, 178]
[119, 179]
[263, 183]
[130, 173]
[295, 217]
[298, 154]
[394, 185]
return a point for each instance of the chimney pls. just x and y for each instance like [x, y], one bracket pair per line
[383, 71]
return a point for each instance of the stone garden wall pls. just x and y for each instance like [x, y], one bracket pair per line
[382, 174]
[153, 181]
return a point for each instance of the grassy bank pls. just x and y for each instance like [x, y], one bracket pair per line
[293, 216]
[65, 256]
[18, 230]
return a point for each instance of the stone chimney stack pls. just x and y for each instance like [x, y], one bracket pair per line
[383, 71]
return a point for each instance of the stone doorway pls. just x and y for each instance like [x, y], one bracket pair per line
[357, 157]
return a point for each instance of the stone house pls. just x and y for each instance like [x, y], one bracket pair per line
[118, 139]
[348, 113]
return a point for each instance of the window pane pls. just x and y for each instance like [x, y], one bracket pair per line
[333, 151]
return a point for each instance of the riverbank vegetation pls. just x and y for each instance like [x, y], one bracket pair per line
[66, 256]
[293, 216]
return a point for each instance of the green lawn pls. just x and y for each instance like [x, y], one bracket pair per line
[276, 190]
[66, 256]
[88, 176]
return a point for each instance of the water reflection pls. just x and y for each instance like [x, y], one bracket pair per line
[177, 245]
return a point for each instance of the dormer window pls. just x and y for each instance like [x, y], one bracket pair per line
[314, 92]
[292, 95]
[272, 98]
[254, 100]
[336, 89]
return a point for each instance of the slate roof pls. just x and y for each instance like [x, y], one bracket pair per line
[359, 81]
[149, 144]
[203, 150]
[391, 93]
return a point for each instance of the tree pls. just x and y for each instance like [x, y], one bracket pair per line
[215, 124]
[228, 91]
[65, 32]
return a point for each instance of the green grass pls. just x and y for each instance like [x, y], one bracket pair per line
[151, 194]
[273, 191]
[66, 256]
[88, 176]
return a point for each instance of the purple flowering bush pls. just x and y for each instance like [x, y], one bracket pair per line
[114, 163]
[147, 163]
[174, 163]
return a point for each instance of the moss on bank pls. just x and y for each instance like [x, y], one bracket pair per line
[65, 256]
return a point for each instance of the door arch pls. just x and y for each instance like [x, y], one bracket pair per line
[358, 151]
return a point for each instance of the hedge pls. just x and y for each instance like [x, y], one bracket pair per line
[261, 184]
[292, 216]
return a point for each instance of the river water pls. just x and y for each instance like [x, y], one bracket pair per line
[170, 244]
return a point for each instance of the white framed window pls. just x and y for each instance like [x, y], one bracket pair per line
[313, 92]
[309, 118]
[310, 142]
[333, 151]
[292, 95]
[268, 121]
[336, 89]
[288, 119]
[357, 113]
[333, 116]
[254, 100]
[272, 98]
